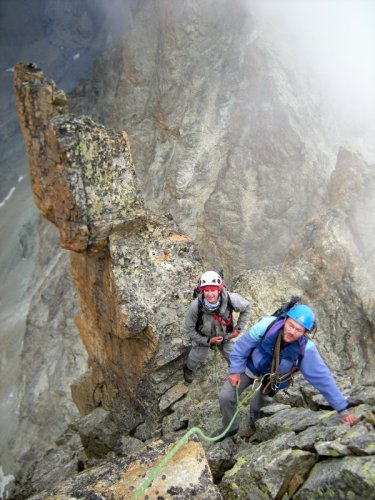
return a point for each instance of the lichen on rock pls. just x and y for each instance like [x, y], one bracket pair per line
[132, 270]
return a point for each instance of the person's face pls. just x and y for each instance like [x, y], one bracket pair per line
[292, 330]
[211, 295]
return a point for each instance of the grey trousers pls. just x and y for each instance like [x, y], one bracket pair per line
[198, 354]
[228, 401]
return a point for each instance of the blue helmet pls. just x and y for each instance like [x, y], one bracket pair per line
[303, 315]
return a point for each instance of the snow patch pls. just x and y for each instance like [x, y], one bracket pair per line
[4, 481]
[8, 196]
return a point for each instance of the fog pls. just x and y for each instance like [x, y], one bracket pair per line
[333, 42]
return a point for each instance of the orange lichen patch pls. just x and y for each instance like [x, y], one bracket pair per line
[164, 257]
[180, 237]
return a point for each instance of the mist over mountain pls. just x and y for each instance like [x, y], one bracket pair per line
[236, 113]
[332, 43]
[259, 109]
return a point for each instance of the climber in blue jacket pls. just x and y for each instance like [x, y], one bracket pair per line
[275, 347]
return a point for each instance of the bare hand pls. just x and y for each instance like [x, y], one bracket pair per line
[234, 334]
[234, 379]
[350, 419]
[216, 340]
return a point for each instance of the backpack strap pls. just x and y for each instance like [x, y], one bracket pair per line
[273, 381]
[199, 321]
[220, 320]
[229, 322]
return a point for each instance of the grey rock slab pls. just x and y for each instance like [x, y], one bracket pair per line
[349, 478]
[294, 419]
[268, 470]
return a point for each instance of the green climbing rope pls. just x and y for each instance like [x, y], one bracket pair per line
[195, 430]
[215, 367]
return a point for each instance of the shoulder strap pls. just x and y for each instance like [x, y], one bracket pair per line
[276, 356]
[199, 321]
[230, 305]
[275, 378]
[228, 323]
[270, 326]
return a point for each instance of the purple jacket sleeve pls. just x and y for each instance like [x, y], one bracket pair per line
[317, 373]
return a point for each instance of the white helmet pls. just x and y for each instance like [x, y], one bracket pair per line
[211, 278]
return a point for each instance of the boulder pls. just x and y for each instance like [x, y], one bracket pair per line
[151, 472]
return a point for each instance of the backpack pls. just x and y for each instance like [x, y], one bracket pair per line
[285, 307]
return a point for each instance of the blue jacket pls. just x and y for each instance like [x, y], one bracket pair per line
[247, 352]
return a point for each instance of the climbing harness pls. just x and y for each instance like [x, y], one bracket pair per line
[228, 323]
[275, 379]
[196, 430]
[222, 321]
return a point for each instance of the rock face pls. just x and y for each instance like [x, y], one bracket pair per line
[236, 148]
[225, 135]
[350, 192]
[132, 271]
[331, 264]
[51, 353]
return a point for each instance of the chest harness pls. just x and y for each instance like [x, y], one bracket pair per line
[227, 322]
[272, 349]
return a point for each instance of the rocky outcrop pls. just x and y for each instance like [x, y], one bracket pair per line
[185, 475]
[298, 449]
[298, 453]
[132, 271]
[65, 37]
